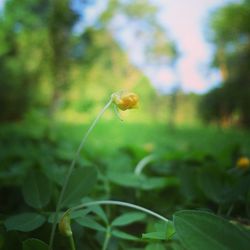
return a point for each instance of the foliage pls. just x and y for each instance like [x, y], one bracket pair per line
[65, 66]
[196, 227]
[19, 76]
[191, 194]
[231, 101]
[203, 177]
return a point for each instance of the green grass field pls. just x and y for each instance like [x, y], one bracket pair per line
[109, 136]
[192, 168]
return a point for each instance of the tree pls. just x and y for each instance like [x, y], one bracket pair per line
[230, 34]
[21, 38]
[44, 60]
[61, 21]
[35, 54]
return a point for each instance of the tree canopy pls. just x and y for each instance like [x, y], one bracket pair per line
[230, 34]
[46, 63]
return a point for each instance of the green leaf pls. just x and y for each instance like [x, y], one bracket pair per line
[34, 244]
[155, 235]
[52, 217]
[128, 218]
[215, 185]
[25, 222]
[189, 184]
[164, 231]
[80, 213]
[158, 183]
[125, 179]
[201, 230]
[123, 235]
[36, 189]
[141, 181]
[73, 215]
[87, 221]
[170, 230]
[99, 211]
[80, 184]
[155, 246]
[176, 245]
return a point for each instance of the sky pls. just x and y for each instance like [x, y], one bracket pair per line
[185, 23]
[1, 4]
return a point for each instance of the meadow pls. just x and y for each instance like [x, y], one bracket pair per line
[189, 175]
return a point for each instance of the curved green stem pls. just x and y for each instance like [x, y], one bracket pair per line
[119, 203]
[142, 163]
[71, 168]
[230, 210]
[72, 243]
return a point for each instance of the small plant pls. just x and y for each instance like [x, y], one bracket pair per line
[121, 100]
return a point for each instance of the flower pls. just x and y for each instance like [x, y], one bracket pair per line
[149, 147]
[126, 101]
[243, 163]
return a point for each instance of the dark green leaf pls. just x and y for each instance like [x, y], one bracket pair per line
[155, 235]
[79, 213]
[170, 231]
[25, 222]
[141, 181]
[36, 189]
[52, 216]
[155, 246]
[158, 182]
[201, 230]
[87, 221]
[164, 231]
[34, 244]
[189, 183]
[99, 211]
[125, 180]
[128, 218]
[73, 215]
[214, 185]
[123, 235]
[80, 184]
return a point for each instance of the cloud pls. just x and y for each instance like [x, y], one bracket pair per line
[2, 2]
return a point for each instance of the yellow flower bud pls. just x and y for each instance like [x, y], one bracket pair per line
[243, 163]
[126, 101]
[64, 225]
[149, 147]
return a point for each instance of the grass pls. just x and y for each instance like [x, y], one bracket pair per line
[110, 137]
[188, 168]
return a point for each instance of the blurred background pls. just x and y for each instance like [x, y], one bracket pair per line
[189, 62]
[61, 60]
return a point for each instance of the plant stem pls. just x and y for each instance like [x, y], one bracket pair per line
[142, 163]
[120, 203]
[71, 168]
[107, 238]
[72, 243]
[230, 210]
